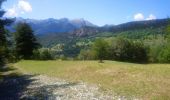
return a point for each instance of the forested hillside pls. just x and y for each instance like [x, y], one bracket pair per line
[138, 29]
[70, 44]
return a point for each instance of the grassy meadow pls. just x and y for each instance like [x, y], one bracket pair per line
[145, 81]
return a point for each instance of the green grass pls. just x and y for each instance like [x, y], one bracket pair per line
[146, 81]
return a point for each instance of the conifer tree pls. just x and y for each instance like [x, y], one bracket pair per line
[25, 41]
[3, 41]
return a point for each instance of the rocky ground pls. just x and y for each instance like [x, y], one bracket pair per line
[48, 88]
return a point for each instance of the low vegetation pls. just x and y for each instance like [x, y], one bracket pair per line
[146, 81]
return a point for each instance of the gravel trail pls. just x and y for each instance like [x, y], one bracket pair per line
[47, 88]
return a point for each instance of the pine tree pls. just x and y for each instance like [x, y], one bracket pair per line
[3, 45]
[25, 41]
[3, 41]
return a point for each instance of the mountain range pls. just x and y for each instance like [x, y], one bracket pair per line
[81, 27]
[52, 25]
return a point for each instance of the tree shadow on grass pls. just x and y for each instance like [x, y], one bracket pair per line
[12, 84]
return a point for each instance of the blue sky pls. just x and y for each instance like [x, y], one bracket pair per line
[99, 12]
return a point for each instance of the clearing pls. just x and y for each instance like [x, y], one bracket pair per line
[125, 80]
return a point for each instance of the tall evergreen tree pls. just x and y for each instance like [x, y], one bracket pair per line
[25, 41]
[3, 41]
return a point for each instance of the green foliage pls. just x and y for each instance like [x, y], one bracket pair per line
[137, 45]
[164, 55]
[2, 54]
[167, 31]
[71, 49]
[62, 57]
[86, 55]
[139, 53]
[141, 33]
[119, 48]
[155, 49]
[100, 49]
[45, 55]
[42, 54]
[127, 50]
[72, 45]
[36, 54]
[3, 40]
[25, 41]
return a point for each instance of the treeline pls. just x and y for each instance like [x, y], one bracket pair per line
[119, 49]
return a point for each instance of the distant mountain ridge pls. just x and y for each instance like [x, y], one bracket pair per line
[81, 27]
[134, 25]
[52, 25]
[139, 25]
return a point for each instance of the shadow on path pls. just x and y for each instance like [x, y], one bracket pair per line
[16, 86]
[48, 92]
[12, 84]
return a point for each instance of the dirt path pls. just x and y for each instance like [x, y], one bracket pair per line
[54, 89]
[17, 86]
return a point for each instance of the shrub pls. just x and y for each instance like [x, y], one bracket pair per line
[42, 54]
[164, 55]
[127, 50]
[86, 55]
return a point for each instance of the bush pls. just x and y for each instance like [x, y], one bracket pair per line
[86, 55]
[154, 52]
[36, 54]
[118, 49]
[45, 55]
[127, 50]
[62, 57]
[164, 55]
[42, 54]
[3, 55]
[139, 52]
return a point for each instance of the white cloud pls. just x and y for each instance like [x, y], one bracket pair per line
[11, 12]
[139, 17]
[24, 6]
[151, 17]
